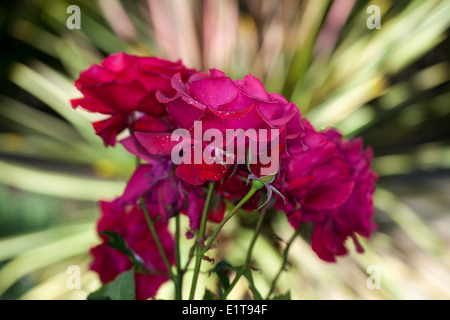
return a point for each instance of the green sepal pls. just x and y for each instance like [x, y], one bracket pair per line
[121, 288]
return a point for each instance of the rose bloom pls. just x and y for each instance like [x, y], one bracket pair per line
[214, 101]
[330, 184]
[123, 86]
[130, 223]
[161, 188]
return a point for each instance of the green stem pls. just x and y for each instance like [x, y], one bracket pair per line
[191, 255]
[179, 282]
[249, 254]
[157, 241]
[199, 240]
[285, 257]
[228, 217]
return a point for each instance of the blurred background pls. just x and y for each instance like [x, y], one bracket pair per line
[388, 85]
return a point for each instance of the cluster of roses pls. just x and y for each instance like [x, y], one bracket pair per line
[321, 178]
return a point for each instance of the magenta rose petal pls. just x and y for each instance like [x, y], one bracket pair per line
[156, 143]
[195, 209]
[254, 87]
[132, 145]
[186, 118]
[118, 62]
[109, 128]
[213, 92]
[139, 183]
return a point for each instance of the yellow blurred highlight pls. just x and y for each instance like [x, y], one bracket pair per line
[432, 76]
[11, 142]
[105, 168]
[343, 104]
[428, 157]
[359, 118]
[396, 94]
[384, 5]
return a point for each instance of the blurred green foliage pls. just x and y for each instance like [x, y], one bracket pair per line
[389, 85]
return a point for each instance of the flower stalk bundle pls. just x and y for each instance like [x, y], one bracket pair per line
[205, 142]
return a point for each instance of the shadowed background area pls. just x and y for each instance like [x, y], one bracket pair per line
[389, 85]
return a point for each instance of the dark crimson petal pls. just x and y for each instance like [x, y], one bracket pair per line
[151, 106]
[196, 199]
[111, 215]
[318, 245]
[123, 96]
[300, 182]
[154, 81]
[333, 239]
[130, 73]
[217, 212]
[146, 123]
[198, 174]
[94, 75]
[130, 223]
[164, 67]
[109, 129]
[295, 219]
[92, 105]
[108, 262]
[332, 187]
[148, 285]
[294, 133]
[358, 246]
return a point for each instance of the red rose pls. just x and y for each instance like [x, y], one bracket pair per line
[216, 102]
[131, 224]
[124, 87]
[330, 184]
[162, 189]
[355, 216]
[315, 180]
